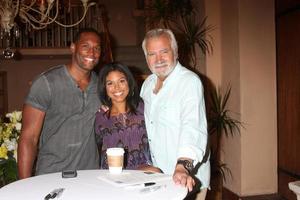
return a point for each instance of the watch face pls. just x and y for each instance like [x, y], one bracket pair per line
[189, 165]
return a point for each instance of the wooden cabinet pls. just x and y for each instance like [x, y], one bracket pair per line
[288, 94]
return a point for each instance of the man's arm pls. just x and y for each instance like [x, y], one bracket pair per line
[32, 122]
[193, 140]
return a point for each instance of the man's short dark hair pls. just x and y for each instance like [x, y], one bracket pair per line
[85, 30]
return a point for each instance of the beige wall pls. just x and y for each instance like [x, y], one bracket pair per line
[258, 96]
[122, 24]
[214, 61]
[231, 75]
[21, 73]
[245, 45]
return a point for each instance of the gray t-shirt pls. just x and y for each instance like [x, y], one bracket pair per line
[67, 139]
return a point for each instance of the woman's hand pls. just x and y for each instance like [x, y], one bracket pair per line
[104, 108]
[149, 168]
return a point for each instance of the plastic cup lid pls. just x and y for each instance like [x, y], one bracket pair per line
[115, 151]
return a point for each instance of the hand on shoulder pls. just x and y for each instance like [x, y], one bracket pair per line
[104, 108]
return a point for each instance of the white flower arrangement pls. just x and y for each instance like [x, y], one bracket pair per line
[9, 135]
[10, 129]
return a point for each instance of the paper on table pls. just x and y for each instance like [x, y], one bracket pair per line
[127, 178]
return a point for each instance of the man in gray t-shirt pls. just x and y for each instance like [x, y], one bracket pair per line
[59, 113]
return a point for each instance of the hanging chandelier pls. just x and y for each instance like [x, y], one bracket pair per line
[36, 14]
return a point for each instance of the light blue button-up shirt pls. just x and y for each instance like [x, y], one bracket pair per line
[176, 121]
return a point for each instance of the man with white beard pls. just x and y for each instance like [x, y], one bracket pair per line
[174, 113]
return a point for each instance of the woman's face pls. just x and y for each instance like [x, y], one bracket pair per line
[117, 87]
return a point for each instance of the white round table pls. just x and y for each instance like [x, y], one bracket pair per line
[90, 185]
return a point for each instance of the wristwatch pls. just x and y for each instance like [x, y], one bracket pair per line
[188, 165]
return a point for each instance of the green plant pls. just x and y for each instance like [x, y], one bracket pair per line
[220, 120]
[159, 13]
[192, 34]
[10, 128]
[180, 16]
[220, 124]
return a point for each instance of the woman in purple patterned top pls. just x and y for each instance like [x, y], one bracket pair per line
[123, 124]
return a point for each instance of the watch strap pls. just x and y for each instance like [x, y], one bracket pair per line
[188, 165]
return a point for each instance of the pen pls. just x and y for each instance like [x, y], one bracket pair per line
[140, 185]
[54, 193]
[149, 184]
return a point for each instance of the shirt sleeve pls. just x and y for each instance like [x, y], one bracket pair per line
[193, 136]
[146, 150]
[39, 95]
[145, 140]
[142, 92]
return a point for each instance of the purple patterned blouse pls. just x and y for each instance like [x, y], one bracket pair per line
[127, 131]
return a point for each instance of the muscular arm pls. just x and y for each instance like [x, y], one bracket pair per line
[32, 121]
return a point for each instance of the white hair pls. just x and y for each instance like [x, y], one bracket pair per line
[155, 33]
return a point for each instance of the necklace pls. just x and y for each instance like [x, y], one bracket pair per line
[82, 83]
[81, 80]
[122, 118]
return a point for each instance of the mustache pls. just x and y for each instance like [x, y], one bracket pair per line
[161, 64]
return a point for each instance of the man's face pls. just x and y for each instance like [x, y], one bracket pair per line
[160, 56]
[86, 52]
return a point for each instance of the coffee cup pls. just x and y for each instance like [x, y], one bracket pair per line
[115, 158]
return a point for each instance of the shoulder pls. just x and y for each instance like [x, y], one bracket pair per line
[149, 79]
[186, 73]
[54, 70]
[100, 114]
[51, 73]
[140, 107]
[188, 77]
[187, 82]
[52, 79]
[101, 119]
[147, 84]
